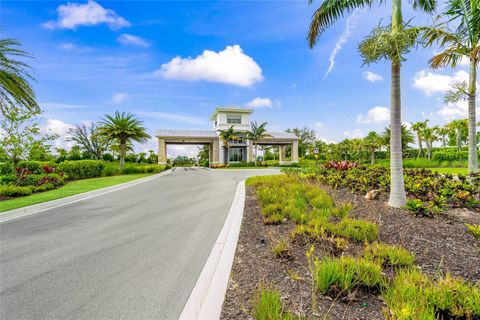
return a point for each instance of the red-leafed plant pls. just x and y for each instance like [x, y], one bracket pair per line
[21, 174]
[47, 169]
[340, 165]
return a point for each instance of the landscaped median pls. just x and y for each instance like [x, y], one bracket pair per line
[36, 182]
[308, 251]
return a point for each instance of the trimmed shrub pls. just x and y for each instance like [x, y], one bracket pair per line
[81, 169]
[14, 191]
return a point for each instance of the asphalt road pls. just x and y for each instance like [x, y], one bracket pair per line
[130, 254]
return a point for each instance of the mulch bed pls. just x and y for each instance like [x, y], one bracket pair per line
[441, 244]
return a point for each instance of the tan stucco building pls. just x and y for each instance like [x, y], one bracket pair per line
[240, 150]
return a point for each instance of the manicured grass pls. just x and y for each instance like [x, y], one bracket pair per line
[70, 189]
[450, 170]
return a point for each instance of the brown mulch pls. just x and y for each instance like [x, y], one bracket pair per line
[441, 244]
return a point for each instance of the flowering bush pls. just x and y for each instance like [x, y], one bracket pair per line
[340, 165]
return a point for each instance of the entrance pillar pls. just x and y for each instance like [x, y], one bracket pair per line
[214, 151]
[250, 155]
[162, 152]
[295, 151]
[282, 152]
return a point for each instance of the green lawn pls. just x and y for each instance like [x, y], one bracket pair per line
[69, 189]
[450, 170]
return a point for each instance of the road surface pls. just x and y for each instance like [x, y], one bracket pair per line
[130, 254]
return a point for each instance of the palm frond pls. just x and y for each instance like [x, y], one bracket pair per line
[450, 57]
[427, 6]
[329, 12]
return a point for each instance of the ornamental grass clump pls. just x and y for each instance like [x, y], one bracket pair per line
[357, 230]
[413, 296]
[268, 306]
[388, 255]
[342, 275]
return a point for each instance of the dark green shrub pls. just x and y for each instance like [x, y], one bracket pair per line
[108, 157]
[36, 167]
[13, 191]
[8, 179]
[81, 169]
[6, 168]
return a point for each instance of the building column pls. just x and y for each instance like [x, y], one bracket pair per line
[282, 152]
[295, 151]
[162, 152]
[214, 152]
[250, 155]
[210, 152]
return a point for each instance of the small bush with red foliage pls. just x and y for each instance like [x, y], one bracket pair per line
[340, 165]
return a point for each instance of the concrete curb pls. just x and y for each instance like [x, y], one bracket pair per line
[36, 208]
[206, 298]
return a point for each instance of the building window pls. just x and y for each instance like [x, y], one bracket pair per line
[236, 154]
[234, 119]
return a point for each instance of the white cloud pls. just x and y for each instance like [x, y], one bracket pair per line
[357, 133]
[55, 126]
[129, 39]
[230, 66]
[73, 15]
[119, 97]
[431, 83]
[350, 24]
[372, 76]
[259, 103]
[375, 115]
[458, 110]
[172, 117]
[67, 46]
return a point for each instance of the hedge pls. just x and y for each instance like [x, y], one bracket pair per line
[81, 169]
[451, 155]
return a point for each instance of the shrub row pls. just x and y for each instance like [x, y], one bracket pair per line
[81, 169]
[112, 169]
[451, 155]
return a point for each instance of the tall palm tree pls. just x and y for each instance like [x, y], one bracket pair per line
[418, 128]
[443, 132]
[256, 133]
[123, 127]
[390, 43]
[15, 89]
[429, 135]
[226, 135]
[372, 142]
[462, 42]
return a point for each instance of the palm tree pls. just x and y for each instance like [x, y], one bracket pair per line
[406, 137]
[456, 127]
[390, 43]
[344, 146]
[429, 135]
[15, 90]
[443, 132]
[123, 127]
[418, 128]
[226, 135]
[256, 133]
[357, 146]
[372, 142]
[463, 42]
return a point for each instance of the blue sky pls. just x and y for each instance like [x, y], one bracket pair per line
[173, 62]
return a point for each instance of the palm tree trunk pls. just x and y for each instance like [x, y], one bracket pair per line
[444, 141]
[122, 156]
[472, 122]
[420, 145]
[372, 159]
[398, 197]
[459, 138]
[429, 150]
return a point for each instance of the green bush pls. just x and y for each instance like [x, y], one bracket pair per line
[81, 169]
[8, 179]
[14, 191]
[6, 168]
[268, 305]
